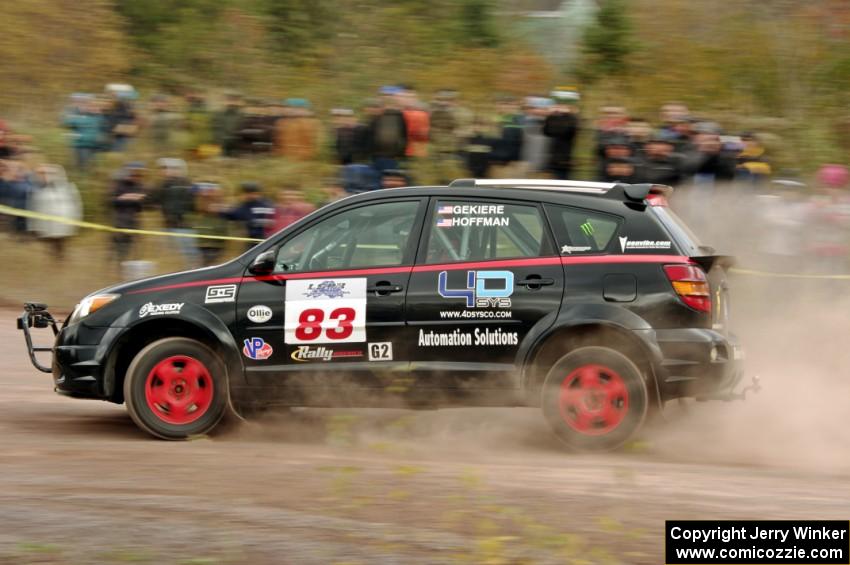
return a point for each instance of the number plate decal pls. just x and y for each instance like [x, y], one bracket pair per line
[325, 311]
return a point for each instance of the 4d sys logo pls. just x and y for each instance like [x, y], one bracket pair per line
[478, 294]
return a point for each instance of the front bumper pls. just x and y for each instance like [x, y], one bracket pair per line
[698, 363]
[78, 357]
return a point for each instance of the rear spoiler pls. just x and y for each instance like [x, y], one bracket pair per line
[639, 192]
[707, 262]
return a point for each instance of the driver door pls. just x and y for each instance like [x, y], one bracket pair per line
[332, 313]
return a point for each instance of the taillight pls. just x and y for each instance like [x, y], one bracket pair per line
[656, 199]
[690, 284]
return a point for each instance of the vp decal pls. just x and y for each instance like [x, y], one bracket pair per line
[256, 348]
[478, 293]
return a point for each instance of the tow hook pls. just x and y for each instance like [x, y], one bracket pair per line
[754, 387]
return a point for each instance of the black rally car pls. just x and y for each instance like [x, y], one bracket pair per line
[589, 300]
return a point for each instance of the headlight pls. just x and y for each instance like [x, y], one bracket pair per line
[91, 304]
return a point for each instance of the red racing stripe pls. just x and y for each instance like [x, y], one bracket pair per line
[498, 263]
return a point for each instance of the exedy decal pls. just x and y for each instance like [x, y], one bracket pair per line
[321, 353]
[476, 293]
[151, 309]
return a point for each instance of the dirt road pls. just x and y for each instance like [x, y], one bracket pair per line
[80, 484]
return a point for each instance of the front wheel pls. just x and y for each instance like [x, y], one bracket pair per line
[594, 398]
[176, 388]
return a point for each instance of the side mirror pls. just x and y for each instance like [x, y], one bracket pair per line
[263, 263]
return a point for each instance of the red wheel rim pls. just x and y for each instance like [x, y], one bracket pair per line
[593, 399]
[179, 390]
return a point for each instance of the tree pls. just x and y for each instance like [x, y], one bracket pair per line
[606, 43]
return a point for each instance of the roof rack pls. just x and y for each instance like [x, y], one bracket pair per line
[538, 184]
[635, 192]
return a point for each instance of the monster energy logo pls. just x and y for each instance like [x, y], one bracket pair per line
[587, 228]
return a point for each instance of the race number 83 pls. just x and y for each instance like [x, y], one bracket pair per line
[325, 311]
[310, 324]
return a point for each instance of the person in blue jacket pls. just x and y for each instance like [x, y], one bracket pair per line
[255, 212]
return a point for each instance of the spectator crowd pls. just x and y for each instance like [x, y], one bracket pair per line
[383, 144]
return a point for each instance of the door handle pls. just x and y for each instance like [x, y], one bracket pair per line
[384, 288]
[535, 282]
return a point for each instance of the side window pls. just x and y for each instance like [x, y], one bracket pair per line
[476, 231]
[582, 231]
[375, 235]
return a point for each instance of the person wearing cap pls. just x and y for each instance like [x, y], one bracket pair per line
[297, 132]
[175, 200]
[207, 220]
[87, 125]
[255, 212]
[535, 145]
[418, 123]
[389, 131]
[290, 208]
[660, 164]
[562, 127]
[53, 195]
[344, 125]
[127, 199]
[226, 124]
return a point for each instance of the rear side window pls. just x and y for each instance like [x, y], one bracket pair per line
[582, 231]
[481, 230]
[682, 234]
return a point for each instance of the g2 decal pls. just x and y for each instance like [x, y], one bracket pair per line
[476, 293]
[325, 311]
[381, 351]
[256, 348]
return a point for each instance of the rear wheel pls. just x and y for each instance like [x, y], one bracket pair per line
[594, 398]
[176, 388]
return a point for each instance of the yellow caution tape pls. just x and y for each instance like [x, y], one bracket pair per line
[755, 273]
[60, 220]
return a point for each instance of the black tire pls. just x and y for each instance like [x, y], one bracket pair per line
[186, 396]
[594, 413]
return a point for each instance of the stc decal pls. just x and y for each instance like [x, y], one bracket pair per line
[220, 293]
[256, 348]
[460, 338]
[642, 244]
[151, 309]
[476, 293]
[325, 311]
[309, 353]
[463, 215]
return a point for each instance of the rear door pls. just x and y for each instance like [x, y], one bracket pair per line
[487, 278]
[335, 304]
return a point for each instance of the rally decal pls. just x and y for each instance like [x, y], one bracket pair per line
[256, 348]
[463, 215]
[325, 311]
[220, 293]
[321, 353]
